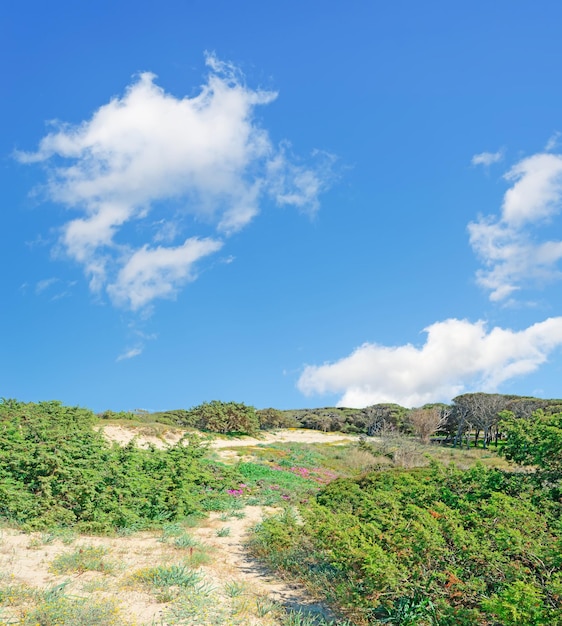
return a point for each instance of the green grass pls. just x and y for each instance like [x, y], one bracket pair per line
[234, 589]
[62, 610]
[167, 576]
[185, 541]
[83, 559]
[14, 594]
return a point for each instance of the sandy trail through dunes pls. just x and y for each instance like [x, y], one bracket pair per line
[27, 559]
[123, 435]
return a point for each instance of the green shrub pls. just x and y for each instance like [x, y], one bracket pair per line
[429, 545]
[56, 470]
[224, 417]
[83, 559]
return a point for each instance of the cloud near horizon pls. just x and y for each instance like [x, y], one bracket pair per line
[511, 246]
[457, 357]
[203, 158]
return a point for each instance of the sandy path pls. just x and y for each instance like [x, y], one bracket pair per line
[123, 435]
[26, 559]
[235, 563]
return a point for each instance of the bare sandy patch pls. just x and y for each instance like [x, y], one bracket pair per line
[123, 435]
[232, 584]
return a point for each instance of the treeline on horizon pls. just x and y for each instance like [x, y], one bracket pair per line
[470, 418]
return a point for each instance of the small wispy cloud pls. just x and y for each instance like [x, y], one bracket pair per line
[129, 354]
[152, 159]
[553, 141]
[43, 285]
[512, 246]
[458, 356]
[487, 158]
[56, 288]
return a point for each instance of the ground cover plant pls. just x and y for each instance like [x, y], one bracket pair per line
[57, 470]
[435, 545]
[383, 528]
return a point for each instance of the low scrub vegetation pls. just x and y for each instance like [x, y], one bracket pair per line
[57, 470]
[386, 530]
[435, 545]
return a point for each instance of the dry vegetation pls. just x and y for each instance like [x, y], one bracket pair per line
[188, 573]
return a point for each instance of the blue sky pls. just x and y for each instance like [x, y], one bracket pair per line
[284, 204]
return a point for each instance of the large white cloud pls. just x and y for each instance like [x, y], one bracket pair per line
[206, 154]
[458, 356]
[514, 253]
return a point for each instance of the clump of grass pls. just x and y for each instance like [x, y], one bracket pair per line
[199, 605]
[66, 535]
[170, 576]
[234, 589]
[83, 559]
[265, 606]
[227, 515]
[16, 594]
[43, 539]
[185, 541]
[172, 530]
[60, 609]
[193, 520]
[127, 531]
[34, 543]
[307, 618]
[223, 532]
[96, 584]
[198, 556]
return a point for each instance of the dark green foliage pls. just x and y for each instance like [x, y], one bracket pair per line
[117, 415]
[272, 418]
[55, 469]
[181, 417]
[223, 417]
[537, 442]
[439, 545]
[369, 420]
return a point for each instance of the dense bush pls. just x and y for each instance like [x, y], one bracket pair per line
[536, 442]
[447, 546]
[56, 469]
[223, 417]
[273, 418]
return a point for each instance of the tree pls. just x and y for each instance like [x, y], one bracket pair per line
[536, 441]
[226, 417]
[380, 416]
[480, 411]
[426, 421]
[273, 418]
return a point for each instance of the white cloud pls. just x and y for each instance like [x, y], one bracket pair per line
[158, 272]
[458, 356]
[129, 354]
[487, 158]
[536, 191]
[149, 152]
[43, 285]
[510, 245]
[553, 141]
